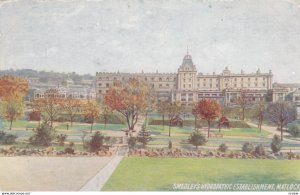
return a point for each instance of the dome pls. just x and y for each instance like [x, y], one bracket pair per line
[187, 64]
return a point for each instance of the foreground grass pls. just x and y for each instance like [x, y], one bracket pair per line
[159, 174]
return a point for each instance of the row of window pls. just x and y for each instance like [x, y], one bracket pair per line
[145, 78]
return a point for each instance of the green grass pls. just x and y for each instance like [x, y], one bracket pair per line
[245, 132]
[159, 174]
[88, 126]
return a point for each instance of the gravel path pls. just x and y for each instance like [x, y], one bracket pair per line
[48, 173]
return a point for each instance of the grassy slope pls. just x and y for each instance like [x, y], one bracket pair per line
[135, 173]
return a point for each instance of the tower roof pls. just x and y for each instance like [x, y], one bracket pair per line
[187, 64]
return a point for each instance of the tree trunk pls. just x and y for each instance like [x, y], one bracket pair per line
[243, 113]
[105, 121]
[208, 122]
[170, 128]
[92, 127]
[71, 121]
[195, 122]
[219, 125]
[281, 133]
[163, 117]
[11, 121]
[196, 147]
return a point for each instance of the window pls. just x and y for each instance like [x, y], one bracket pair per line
[190, 80]
[183, 85]
[234, 85]
[242, 79]
[190, 85]
[160, 85]
[167, 85]
[107, 78]
[248, 79]
[217, 85]
[152, 78]
[256, 79]
[255, 84]
[235, 79]
[145, 78]
[210, 85]
[204, 84]
[107, 84]
[100, 84]
[160, 79]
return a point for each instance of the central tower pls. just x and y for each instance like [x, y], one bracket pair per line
[187, 74]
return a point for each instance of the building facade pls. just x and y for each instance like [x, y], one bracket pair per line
[188, 86]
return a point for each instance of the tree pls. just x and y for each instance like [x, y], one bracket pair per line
[72, 107]
[197, 139]
[12, 92]
[12, 109]
[43, 135]
[276, 144]
[260, 111]
[174, 109]
[208, 110]
[130, 99]
[162, 109]
[96, 142]
[50, 106]
[281, 113]
[106, 112]
[223, 120]
[91, 112]
[131, 142]
[195, 114]
[13, 87]
[242, 101]
[144, 135]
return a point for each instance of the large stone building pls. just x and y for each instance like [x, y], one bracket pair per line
[187, 86]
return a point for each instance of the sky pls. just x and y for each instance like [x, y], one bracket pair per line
[89, 36]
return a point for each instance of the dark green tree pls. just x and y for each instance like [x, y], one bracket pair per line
[276, 144]
[197, 139]
[43, 135]
[96, 142]
[144, 136]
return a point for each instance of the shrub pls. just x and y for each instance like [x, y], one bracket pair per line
[259, 149]
[96, 142]
[43, 136]
[69, 150]
[197, 139]
[247, 147]
[294, 130]
[131, 142]
[71, 144]
[61, 139]
[276, 144]
[223, 147]
[170, 145]
[7, 138]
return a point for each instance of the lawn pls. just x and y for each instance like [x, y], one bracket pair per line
[245, 132]
[97, 126]
[159, 174]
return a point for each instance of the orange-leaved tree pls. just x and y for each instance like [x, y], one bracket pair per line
[92, 112]
[131, 99]
[72, 107]
[208, 110]
[12, 92]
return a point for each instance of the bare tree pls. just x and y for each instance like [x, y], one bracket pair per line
[242, 101]
[281, 113]
[260, 112]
